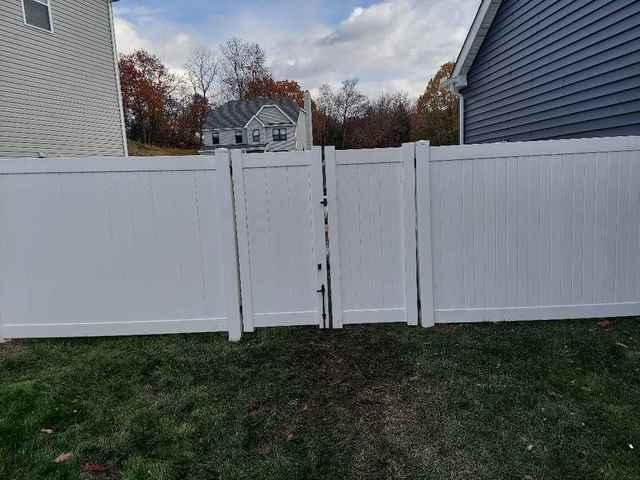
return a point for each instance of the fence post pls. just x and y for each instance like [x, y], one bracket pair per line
[246, 295]
[425, 259]
[409, 232]
[334, 236]
[230, 257]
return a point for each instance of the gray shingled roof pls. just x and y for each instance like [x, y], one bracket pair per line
[237, 113]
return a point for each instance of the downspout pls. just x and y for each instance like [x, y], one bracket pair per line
[461, 114]
[455, 85]
[117, 73]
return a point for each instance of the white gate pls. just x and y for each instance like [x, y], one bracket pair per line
[372, 235]
[281, 239]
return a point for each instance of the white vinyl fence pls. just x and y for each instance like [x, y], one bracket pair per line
[131, 246]
[519, 231]
[372, 223]
[527, 231]
[281, 242]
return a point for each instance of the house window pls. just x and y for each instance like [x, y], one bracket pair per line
[37, 13]
[279, 134]
[256, 136]
[215, 138]
[238, 136]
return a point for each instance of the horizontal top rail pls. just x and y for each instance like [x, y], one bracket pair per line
[106, 164]
[535, 149]
[280, 159]
[369, 155]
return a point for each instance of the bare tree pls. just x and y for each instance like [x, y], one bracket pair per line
[326, 101]
[202, 71]
[349, 103]
[242, 64]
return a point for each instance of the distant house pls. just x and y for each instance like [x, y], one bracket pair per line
[260, 125]
[59, 85]
[546, 69]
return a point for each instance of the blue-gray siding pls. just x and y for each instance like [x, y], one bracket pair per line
[556, 69]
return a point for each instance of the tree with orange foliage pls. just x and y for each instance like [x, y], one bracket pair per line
[270, 88]
[437, 111]
[146, 88]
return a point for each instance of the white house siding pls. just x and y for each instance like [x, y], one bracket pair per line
[59, 91]
[272, 116]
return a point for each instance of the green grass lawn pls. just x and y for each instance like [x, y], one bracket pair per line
[545, 400]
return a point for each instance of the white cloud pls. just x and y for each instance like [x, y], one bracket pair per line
[390, 45]
[147, 29]
[127, 37]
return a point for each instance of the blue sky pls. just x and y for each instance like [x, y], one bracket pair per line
[389, 45]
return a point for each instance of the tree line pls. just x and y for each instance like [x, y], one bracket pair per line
[165, 109]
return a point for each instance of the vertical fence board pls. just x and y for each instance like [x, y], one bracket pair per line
[229, 247]
[318, 226]
[424, 206]
[334, 236]
[246, 296]
[409, 232]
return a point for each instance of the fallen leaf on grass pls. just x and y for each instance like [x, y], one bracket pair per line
[46, 430]
[604, 323]
[621, 345]
[290, 437]
[63, 457]
[93, 468]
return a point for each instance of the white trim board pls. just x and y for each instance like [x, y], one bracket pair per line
[536, 148]
[477, 33]
[255, 115]
[550, 312]
[109, 329]
[106, 164]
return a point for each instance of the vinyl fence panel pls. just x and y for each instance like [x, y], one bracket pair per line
[131, 246]
[281, 242]
[372, 232]
[536, 230]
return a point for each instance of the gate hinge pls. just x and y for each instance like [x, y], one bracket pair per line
[323, 202]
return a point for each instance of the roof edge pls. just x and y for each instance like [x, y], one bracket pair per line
[477, 33]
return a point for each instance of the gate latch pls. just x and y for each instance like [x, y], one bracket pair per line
[324, 310]
[323, 202]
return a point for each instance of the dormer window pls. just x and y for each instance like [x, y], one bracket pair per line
[215, 138]
[37, 13]
[256, 136]
[238, 136]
